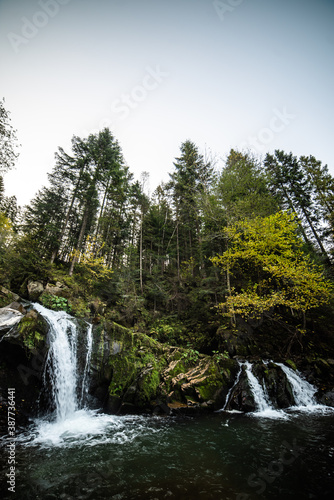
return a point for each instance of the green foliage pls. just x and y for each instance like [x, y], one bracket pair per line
[219, 356]
[268, 254]
[6, 231]
[32, 332]
[21, 262]
[56, 303]
[289, 180]
[243, 188]
[164, 331]
[92, 268]
[190, 355]
[8, 140]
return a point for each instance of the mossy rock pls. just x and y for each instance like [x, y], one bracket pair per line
[142, 371]
[290, 363]
[33, 331]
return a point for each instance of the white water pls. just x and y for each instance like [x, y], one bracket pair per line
[303, 392]
[62, 361]
[74, 424]
[261, 399]
[71, 422]
[230, 391]
[87, 427]
[85, 378]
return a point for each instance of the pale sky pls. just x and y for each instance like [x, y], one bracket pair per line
[254, 74]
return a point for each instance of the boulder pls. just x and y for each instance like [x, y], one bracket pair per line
[6, 296]
[132, 371]
[9, 317]
[58, 289]
[327, 398]
[18, 307]
[35, 289]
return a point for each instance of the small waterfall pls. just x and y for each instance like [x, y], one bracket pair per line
[62, 361]
[260, 395]
[231, 388]
[85, 378]
[303, 391]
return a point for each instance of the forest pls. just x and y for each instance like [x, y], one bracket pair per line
[240, 246]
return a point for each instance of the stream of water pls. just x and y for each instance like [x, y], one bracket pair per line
[78, 453]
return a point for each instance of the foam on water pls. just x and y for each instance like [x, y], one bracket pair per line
[88, 428]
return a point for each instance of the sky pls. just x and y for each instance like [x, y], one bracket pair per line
[244, 74]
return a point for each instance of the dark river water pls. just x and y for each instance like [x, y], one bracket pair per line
[219, 456]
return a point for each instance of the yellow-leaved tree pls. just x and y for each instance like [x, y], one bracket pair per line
[5, 229]
[266, 264]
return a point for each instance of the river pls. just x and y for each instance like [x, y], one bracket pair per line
[219, 456]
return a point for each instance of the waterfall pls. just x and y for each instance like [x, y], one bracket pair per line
[61, 363]
[233, 386]
[85, 378]
[262, 402]
[260, 395]
[303, 391]
[68, 376]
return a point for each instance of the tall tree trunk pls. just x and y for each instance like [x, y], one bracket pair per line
[141, 252]
[291, 205]
[178, 253]
[69, 211]
[100, 217]
[81, 235]
[315, 234]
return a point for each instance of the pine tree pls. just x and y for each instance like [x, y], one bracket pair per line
[291, 187]
[191, 178]
[243, 188]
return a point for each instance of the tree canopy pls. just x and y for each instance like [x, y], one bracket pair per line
[265, 258]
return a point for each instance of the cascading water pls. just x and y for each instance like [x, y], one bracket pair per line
[264, 407]
[85, 378]
[73, 422]
[231, 388]
[303, 391]
[260, 397]
[61, 362]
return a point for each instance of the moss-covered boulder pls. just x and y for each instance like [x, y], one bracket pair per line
[133, 371]
[7, 296]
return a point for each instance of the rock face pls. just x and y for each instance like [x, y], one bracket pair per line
[22, 353]
[132, 371]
